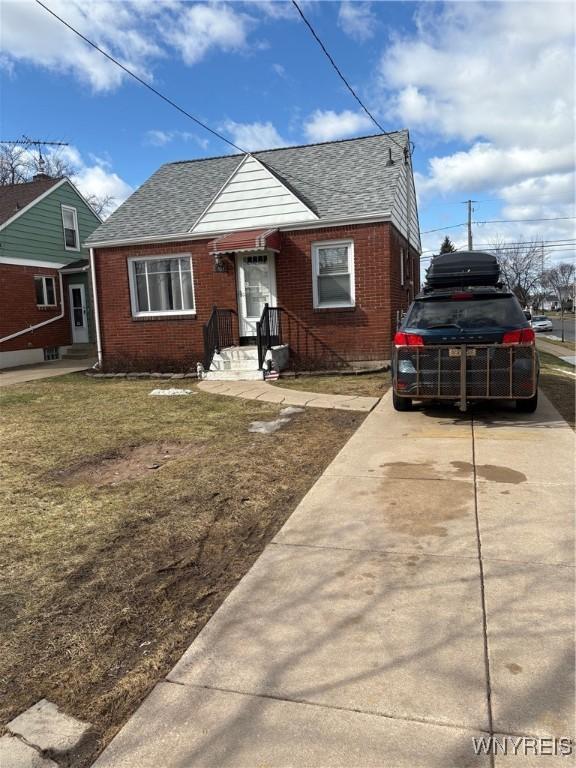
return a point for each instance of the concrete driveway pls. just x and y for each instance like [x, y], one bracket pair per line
[420, 596]
[26, 373]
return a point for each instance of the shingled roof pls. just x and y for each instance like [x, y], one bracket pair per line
[14, 197]
[337, 180]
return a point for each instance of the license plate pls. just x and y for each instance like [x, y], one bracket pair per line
[455, 352]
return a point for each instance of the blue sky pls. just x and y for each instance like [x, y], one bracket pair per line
[486, 90]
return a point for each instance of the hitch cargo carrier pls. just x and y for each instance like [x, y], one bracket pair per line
[466, 372]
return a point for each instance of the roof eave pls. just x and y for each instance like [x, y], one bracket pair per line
[375, 216]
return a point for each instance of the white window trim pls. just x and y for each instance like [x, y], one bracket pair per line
[44, 291]
[64, 227]
[134, 294]
[315, 270]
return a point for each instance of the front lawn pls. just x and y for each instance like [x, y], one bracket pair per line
[558, 382]
[127, 519]
[365, 384]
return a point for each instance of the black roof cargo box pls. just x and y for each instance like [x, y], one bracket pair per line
[462, 269]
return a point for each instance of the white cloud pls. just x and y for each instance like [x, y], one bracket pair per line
[253, 136]
[136, 32]
[29, 33]
[279, 69]
[357, 20]
[486, 166]
[497, 71]
[201, 27]
[96, 180]
[328, 125]
[95, 177]
[160, 138]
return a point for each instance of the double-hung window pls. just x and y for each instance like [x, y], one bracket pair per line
[333, 274]
[70, 224]
[45, 291]
[162, 286]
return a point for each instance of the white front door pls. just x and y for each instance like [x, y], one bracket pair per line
[78, 314]
[256, 287]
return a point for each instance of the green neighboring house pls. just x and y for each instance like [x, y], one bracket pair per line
[45, 284]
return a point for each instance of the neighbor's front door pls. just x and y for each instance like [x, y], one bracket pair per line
[78, 313]
[256, 287]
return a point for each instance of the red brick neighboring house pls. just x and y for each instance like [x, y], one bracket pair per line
[325, 235]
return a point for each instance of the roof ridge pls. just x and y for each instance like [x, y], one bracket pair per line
[257, 152]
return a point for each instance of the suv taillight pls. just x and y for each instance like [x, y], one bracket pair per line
[408, 340]
[524, 336]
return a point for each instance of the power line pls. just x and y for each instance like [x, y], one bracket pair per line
[341, 75]
[498, 221]
[141, 81]
[195, 119]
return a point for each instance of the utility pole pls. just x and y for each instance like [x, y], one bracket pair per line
[469, 204]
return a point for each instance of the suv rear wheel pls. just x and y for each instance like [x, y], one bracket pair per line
[529, 405]
[401, 403]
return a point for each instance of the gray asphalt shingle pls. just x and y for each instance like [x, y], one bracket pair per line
[336, 180]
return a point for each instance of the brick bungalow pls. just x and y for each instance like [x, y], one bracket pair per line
[313, 250]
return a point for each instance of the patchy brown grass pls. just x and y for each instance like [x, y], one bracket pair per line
[105, 579]
[366, 384]
[558, 382]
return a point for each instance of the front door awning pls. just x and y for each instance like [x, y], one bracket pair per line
[247, 240]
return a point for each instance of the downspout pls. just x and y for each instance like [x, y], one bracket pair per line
[407, 169]
[45, 322]
[96, 311]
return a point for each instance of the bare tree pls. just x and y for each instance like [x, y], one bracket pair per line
[101, 204]
[521, 267]
[13, 164]
[560, 280]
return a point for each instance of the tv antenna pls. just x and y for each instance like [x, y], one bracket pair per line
[26, 141]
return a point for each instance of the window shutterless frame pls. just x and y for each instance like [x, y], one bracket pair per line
[45, 289]
[69, 210]
[136, 312]
[316, 247]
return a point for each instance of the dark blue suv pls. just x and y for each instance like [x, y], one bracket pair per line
[465, 344]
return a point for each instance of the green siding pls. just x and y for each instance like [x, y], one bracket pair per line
[38, 233]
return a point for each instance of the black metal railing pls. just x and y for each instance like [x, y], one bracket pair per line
[268, 331]
[218, 334]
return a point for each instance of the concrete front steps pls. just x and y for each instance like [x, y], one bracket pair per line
[235, 364]
[79, 352]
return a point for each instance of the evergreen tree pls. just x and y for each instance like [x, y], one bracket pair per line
[447, 246]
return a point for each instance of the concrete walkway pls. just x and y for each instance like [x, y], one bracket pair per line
[420, 595]
[261, 390]
[26, 373]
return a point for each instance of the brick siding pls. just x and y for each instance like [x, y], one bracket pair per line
[18, 310]
[321, 338]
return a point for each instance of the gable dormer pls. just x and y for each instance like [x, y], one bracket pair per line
[252, 197]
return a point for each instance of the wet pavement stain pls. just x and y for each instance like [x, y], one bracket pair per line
[493, 472]
[514, 668]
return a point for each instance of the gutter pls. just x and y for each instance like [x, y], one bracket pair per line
[292, 227]
[46, 322]
[96, 310]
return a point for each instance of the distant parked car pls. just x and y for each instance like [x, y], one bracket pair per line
[541, 323]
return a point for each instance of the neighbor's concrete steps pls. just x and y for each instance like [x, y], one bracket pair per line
[79, 352]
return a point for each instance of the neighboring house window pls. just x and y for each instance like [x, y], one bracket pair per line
[402, 258]
[70, 223]
[162, 286]
[333, 274]
[45, 291]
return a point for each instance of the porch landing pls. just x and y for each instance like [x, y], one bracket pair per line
[261, 390]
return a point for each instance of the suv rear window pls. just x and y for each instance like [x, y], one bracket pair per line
[479, 312]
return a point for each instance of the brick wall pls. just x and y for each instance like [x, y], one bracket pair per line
[157, 342]
[327, 337]
[18, 310]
